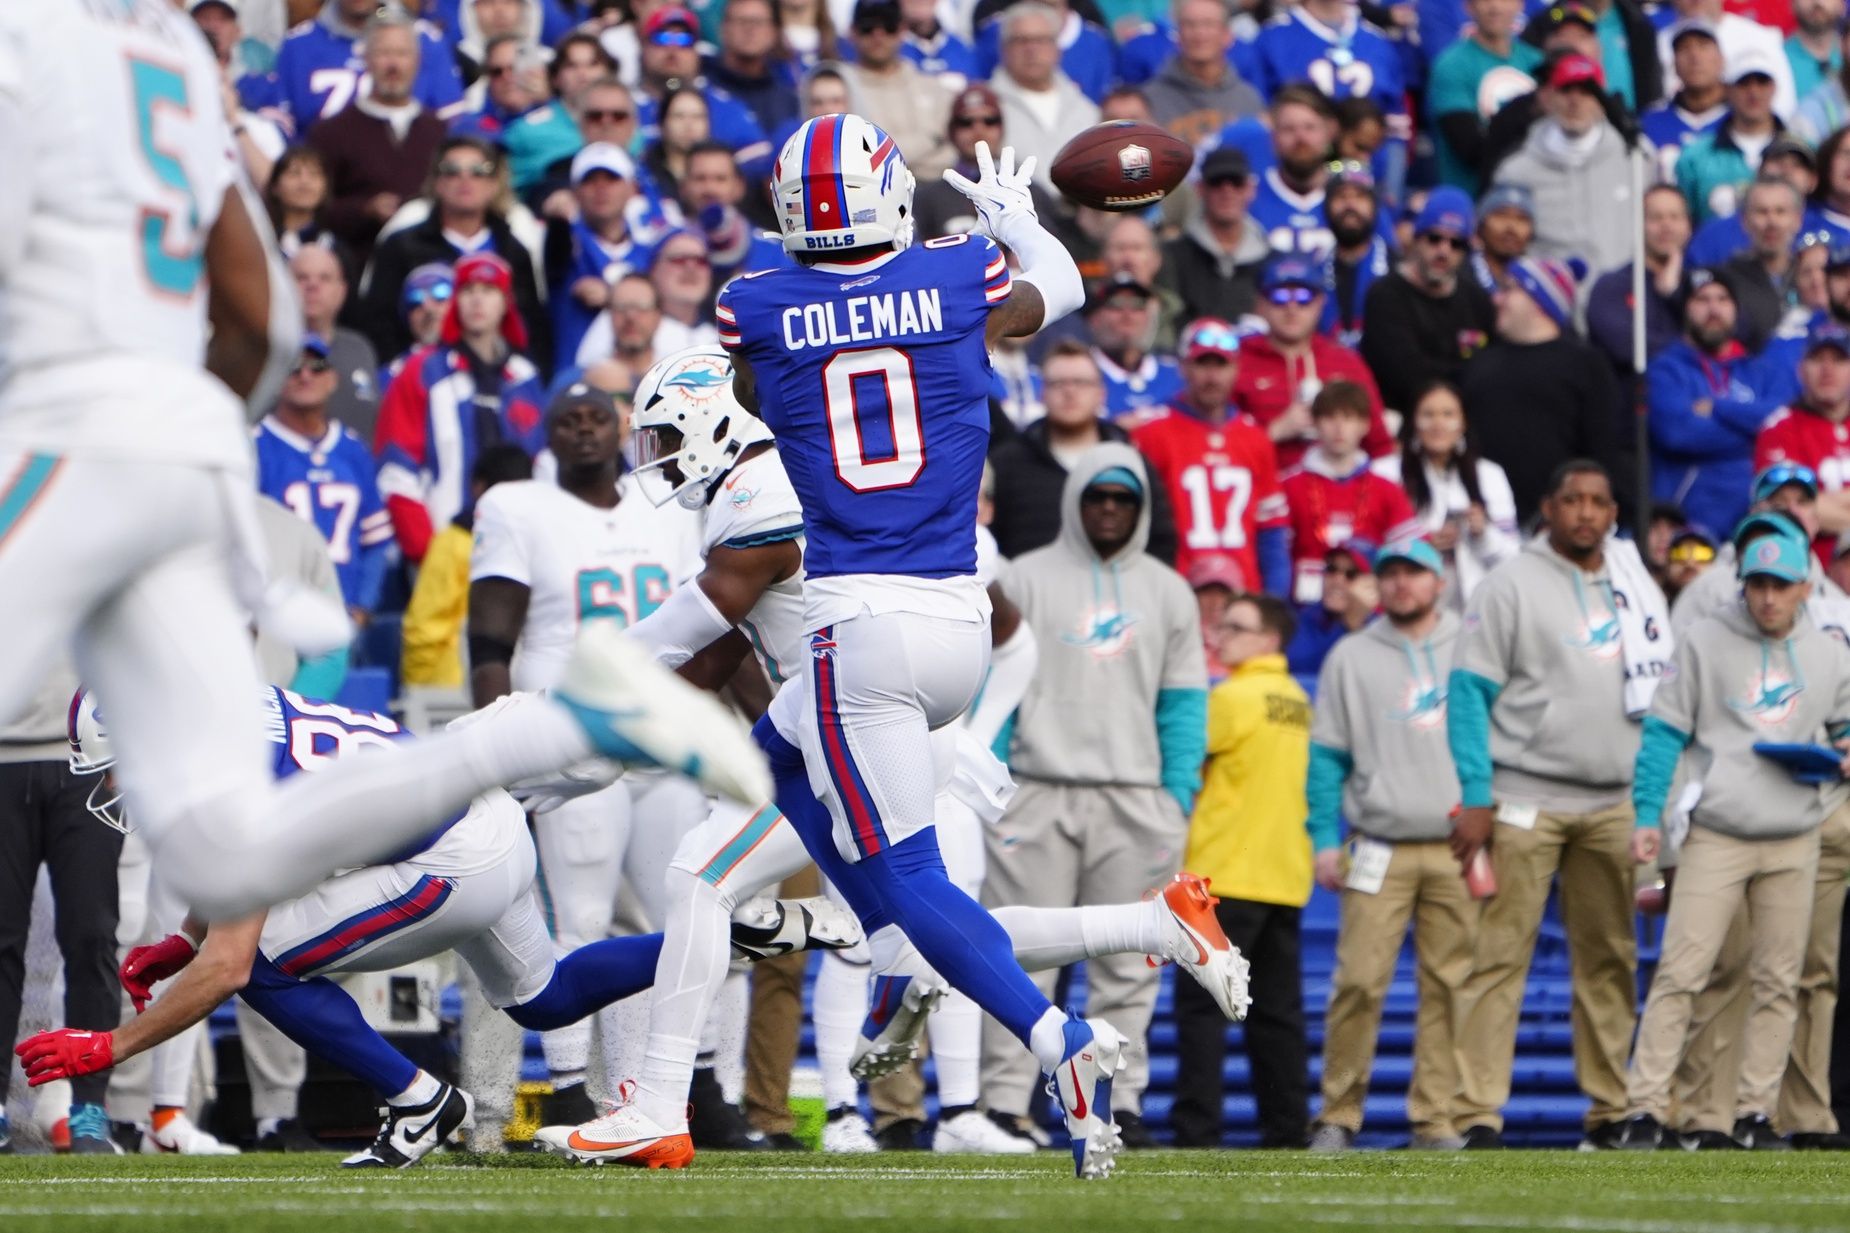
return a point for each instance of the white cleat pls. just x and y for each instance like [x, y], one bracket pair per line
[1195, 943]
[179, 1137]
[897, 1008]
[625, 1135]
[768, 928]
[634, 710]
[972, 1133]
[848, 1134]
[1082, 1085]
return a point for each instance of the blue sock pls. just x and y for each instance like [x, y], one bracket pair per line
[589, 979]
[954, 933]
[318, 1015]
[810, 818]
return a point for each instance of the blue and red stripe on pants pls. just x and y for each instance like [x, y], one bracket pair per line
[362, 929]
[850, 786]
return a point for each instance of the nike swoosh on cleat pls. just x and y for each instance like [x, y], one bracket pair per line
[1078, 1091]
[591, 1145]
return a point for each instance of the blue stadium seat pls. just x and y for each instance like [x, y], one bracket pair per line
[367, 689]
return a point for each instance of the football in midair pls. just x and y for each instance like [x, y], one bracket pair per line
[1121, 165]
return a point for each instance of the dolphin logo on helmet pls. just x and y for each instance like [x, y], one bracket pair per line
[690, 429]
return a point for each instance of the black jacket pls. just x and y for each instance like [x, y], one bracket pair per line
[399, 254]
[1410, 338]
[1532, 407]
[1029, 480]
[1193, 273]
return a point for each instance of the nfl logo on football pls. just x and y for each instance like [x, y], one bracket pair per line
[1134, 162]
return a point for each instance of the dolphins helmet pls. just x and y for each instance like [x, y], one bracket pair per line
[689, 426]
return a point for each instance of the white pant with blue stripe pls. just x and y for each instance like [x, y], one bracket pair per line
[472, 892]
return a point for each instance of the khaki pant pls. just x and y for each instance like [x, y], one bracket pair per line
[1715, 874]
[775, 1025]
[1592, 853]
[1068, 845]
[1708, 1080]
[1423, 883]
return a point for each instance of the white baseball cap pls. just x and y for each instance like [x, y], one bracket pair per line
[1747, 61]
[603, 156]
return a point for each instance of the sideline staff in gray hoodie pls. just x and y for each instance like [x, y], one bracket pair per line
[1760, 671]
[1107, 747]
[1378, 740]
[1538, 730]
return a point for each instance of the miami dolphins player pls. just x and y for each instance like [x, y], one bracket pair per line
[469, 886]
[547, 558]
[131, 330]
[696, 445]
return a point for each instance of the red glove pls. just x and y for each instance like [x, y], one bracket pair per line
[65, 1053]
[147, 966]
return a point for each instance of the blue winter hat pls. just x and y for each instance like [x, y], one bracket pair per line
[1550, 284]
[1413, 552]
[1447, 211]
[1779, 555]
[1123, 476]
[315, 345]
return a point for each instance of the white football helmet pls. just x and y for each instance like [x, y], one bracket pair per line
[92, 754]
[840, 183]
[686, 418]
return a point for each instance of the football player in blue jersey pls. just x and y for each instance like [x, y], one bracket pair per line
[468, 886]
[869, 361]
[320, 68]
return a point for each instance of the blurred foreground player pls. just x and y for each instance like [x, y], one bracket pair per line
[468, 886]
[126, 504]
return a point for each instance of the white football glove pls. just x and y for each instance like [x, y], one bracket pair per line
[1000, 192]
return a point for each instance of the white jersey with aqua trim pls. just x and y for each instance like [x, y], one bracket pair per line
[754, 505]
[579, 561]
[128, 158]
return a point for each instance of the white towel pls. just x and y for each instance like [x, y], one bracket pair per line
[1645, 640]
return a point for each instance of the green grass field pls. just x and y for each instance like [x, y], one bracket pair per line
[1661, 1193]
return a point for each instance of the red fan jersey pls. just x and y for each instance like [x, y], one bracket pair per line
[1328, 510]
[1222, 481]
[1794, 434]
[1270, 381]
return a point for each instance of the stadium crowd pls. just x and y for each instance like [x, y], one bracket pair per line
[1444, 505]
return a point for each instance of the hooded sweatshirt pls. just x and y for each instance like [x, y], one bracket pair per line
[1378, 745]
[1120, 696]
[1536, 708]
[1582, 192]
[1731, 687]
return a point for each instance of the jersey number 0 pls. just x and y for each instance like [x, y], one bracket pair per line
[892, 368]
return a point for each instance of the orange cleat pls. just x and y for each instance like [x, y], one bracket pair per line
[1195, 942]
[624, 1136]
